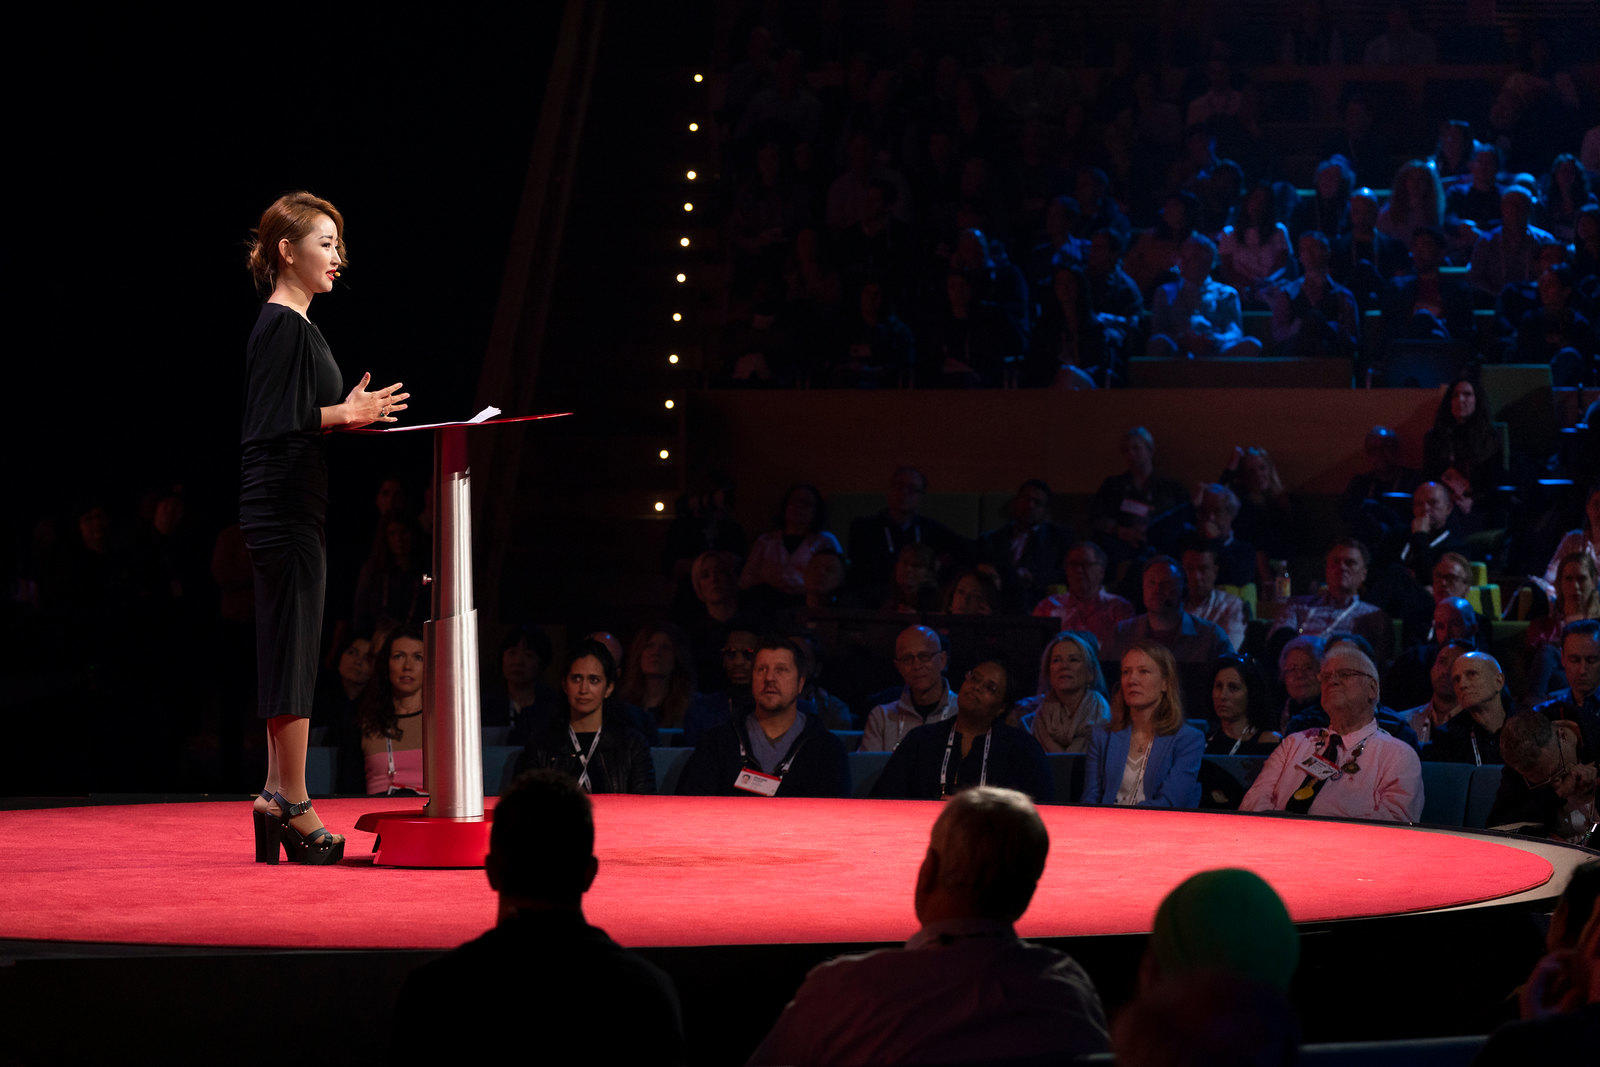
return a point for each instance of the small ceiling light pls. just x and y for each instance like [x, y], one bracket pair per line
[694, 127]
[699, 77]
[684, 241]
[688, 206]
[682, 278]
[691, 175]
[661, 506]
[677, 316]
[665, 453]
[669, 405]
[673, 359]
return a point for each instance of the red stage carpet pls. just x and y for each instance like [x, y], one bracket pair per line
[698, 871]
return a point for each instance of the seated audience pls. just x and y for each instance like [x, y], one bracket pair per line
[1265, 515]
[1115, 298]
[1246, 725]
[1204, 600]
[1472, 735]
[1416, 200]
[389, 587]
[1026, 552]
[972, 747]
[915, 586]
[972, 342]
[1478, 200]
[825, 577]
[1255, 250]
[1146, 756]
[1366, 257]
[714, 577]
[336, 699]
[1557, 332]
[1327, 210]
[1315, 718]
[1126, 505]
[776, 565]
[1441, 706]
[1339, 606]
[389, 717]
[1363, 506]
[1351, 768]
[542, 963]
[1577, 598]
[1509, 253]
[1437, 527]
[875, 348]
[1548, 786]
[1406, 682]
[578, 744]
[1070, 347]
[1427, 304]
[1085, 605]
[734, 700]
[972, 591]
[876, 540]
[658, 675]
[1314, 316]
[1226, 919]
[1216, 515]
[524, 703]
[1580, 661]
[1452, 580]
[1582, 539]
[1298, 663]
[775, 749]
[1153, 259]
[921, 659]
[917, 1004]
[1189, 639]
[1401, 44]
[1196, 316]
[1462, 450]
[1071, 700]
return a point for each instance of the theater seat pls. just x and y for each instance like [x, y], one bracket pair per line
[1444, 792]
[865, 767]
[1482, 790]
[499, 766]
[322, 769]
[669, 764]
[1067, 771]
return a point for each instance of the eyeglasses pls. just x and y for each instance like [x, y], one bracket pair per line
[992, 688]
[1560, 771]
[915, 659]
[739, 653]
[1341, 676]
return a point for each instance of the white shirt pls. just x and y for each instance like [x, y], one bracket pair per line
[1387, 786]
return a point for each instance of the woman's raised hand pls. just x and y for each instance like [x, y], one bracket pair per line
[364, 408]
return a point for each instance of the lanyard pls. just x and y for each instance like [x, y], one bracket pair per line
[746, 760]
[949, 746]
[584, 757]
[916, 536]
[1472, 735]
[1234, 751]
[1355, 602]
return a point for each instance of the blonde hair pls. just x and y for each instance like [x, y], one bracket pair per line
[289, 218]
[1169, 709]
[1591, 608]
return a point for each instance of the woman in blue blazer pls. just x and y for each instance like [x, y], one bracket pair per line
[1147, 756]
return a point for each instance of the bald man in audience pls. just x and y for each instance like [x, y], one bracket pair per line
[965, 989]
[1351, 768]
[1472, 735]
[920, 658]
[1428, 717]
[1549, 782]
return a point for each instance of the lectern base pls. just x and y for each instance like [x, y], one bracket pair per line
[412, 839]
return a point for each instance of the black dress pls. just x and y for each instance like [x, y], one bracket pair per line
[283, 501]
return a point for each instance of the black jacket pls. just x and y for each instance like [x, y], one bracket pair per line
[621, 763]
[1015, 762]
[819, 767]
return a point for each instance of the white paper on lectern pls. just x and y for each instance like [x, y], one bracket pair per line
[483, 416]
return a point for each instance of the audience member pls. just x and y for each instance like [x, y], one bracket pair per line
[1115, 298]
[1071, 700]
[1508, 253]
[524, 702]
[776, 565]
[578, 744]
[1216, 517]
[1566, 191]
[1472, 735]
[1352, 768]
[915, 587]
[1582, 539]
[338, 695]
[918, 1004]
[1187, 638]
[1401, 44]
[1069, 348]
[1548, 786]
[389, 587]
[972, 747]
[775, 749]
[1314, 316]
[1196, 316]
[1264, 517]
[1339, 606]
[877, 539]
[1407, 681]
[971, 342]
[1026, 552]
[1427, 304]
[1577, 597]
[825, 581]
[658, 674]
[1227, 920]
[734, 700]
[1203, 599]
[1246, 725]
[1127, 504]
[972, 591]
[715, 581]
[1556, 332]
[1146, 756]
[1254, 250]
[1364, 504]
[542, 964]
[1086, 605]
[1477, 201]
[1153, 259]
[1432, 715]
[389, 718]
[921, 659]
[1416, 200]
[1366, 257]
[1298, 663]
[1580, 661]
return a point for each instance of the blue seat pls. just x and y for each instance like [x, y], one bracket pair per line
[865, 767]
[669, 764]
[499, 768]
[322, 769]
[1481, 792]
[1444, 792]
[1067, 770]
[851, 739]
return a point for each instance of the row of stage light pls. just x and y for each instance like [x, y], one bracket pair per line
[681, 278]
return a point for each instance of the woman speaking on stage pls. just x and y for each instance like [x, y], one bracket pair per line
[291, 398]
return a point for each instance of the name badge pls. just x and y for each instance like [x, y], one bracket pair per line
[1318, 768]
[755, 782]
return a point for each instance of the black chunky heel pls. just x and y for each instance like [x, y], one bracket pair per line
[267, 835]
[318, 848]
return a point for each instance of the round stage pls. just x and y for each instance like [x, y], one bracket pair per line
[695, 871]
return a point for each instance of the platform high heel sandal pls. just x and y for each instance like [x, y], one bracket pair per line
[267, 833]
[318, 847]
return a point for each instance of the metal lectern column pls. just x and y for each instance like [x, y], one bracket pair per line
[451, 720]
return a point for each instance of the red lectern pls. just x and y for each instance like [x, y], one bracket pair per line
[450, 830]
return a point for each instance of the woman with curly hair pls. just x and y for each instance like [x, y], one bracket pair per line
[389, 716]
[1416, 199]
[659, 674]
